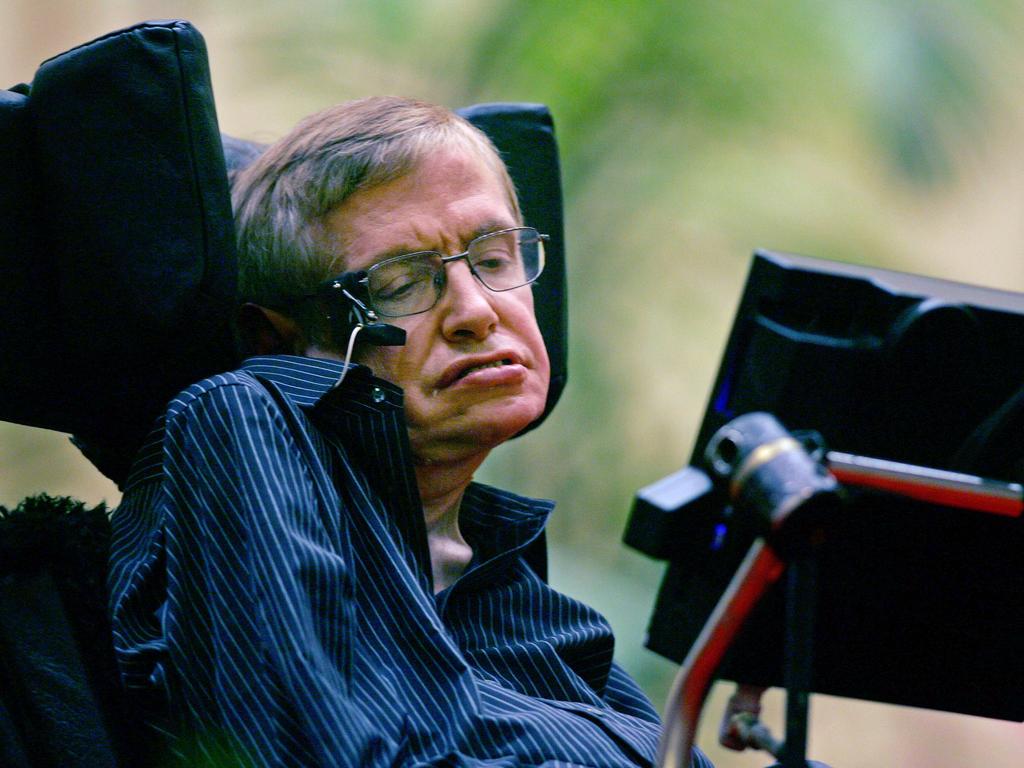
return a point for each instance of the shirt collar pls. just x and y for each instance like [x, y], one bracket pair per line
[500, 522]
[362, 407]
[304, 380]
[500, 526]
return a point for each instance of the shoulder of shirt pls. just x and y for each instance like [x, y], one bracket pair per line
[148, 464]
[185, 399]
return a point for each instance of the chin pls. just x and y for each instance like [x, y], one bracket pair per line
[494, 435]
[478, 429]
[496, 428]
[508, 419]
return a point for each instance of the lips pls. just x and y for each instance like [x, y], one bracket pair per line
[495, 364]
[465, 366]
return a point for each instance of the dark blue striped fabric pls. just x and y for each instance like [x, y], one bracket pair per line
[271, 590]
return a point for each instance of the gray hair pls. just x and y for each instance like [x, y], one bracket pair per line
[282, 199]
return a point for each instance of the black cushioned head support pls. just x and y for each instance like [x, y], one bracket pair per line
[121, 269]
[117, 260]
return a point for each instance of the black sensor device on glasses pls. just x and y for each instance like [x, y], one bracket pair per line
[349, 311]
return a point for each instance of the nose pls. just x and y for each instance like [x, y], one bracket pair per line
[467, 311]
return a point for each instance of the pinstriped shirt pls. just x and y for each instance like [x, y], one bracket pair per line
[270, 590]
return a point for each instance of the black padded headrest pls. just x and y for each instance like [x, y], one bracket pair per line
[119, 275]
[117, 260]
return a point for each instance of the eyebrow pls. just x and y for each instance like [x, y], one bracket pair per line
[489, 226]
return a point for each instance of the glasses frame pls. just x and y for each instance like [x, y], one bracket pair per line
[346, 282]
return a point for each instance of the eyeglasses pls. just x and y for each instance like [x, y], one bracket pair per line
[414, 282]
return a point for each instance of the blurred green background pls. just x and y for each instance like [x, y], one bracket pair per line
[886, 133]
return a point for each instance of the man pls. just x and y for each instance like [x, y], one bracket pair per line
[302, 567]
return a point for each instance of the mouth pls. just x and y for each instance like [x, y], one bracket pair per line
[496, 364]
[461, 369]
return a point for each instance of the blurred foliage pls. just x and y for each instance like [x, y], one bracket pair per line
[879, 131]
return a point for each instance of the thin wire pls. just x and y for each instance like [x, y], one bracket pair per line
[348, 354]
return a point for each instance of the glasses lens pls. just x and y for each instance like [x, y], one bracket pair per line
[406, 285]
[506, 260]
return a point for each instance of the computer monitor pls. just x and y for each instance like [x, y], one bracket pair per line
[918, 605]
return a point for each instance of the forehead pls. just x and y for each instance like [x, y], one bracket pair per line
[450, 197]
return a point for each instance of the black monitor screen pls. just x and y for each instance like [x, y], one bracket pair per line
[918, 605]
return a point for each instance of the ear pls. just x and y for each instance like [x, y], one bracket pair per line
[265, 331]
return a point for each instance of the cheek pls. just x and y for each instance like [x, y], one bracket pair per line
[399, 364]
[543, 369]
[545, 366]
[529, 332]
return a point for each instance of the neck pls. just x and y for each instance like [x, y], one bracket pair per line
[441, 489]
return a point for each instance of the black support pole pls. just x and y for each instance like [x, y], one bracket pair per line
[801, 601]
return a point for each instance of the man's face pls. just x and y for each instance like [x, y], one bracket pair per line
[474, 368]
